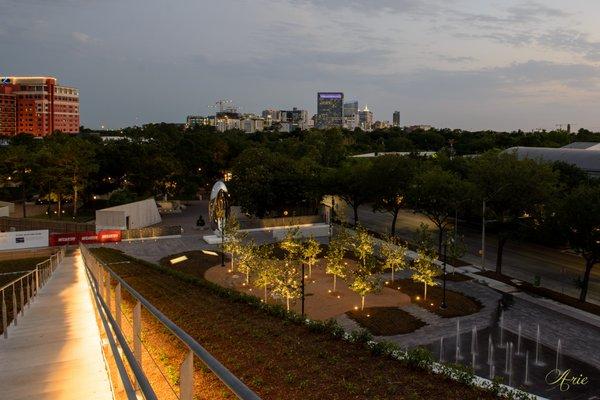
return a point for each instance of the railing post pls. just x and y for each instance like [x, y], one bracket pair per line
[37, 279]
[107, 288]
[22, 297]
[4, 317]
[186, 378]
[14, 296]
[137, 332]
[118, 303]
[28, 293]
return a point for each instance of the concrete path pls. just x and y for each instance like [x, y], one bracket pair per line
[55, 350]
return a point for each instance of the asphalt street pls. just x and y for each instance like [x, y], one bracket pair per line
[524, 261]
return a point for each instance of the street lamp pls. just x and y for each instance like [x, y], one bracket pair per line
[302, 288]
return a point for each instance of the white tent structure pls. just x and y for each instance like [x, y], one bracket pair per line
[581, 154]
[139, 214]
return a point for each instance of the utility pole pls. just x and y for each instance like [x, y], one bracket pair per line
[483, 237]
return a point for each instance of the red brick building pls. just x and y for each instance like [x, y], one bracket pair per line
[37, 105]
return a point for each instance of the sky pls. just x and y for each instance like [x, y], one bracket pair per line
[467, 64]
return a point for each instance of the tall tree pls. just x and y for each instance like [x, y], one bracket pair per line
[394, 256]
[438, 194]
[310, 251]
[18, 168]
[579, 213]
[334, 259]
[512, 189]
[352, 181]
[425, 271]
[391, 177]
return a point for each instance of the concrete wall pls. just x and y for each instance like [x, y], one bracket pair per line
[23, 239]
[11, 207]
[4, 211]
[140, 213]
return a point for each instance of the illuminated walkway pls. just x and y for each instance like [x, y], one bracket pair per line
[55, 351]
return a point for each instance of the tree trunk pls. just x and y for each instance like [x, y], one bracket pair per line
[440, 238]
[287, 300]
[265, 294]
[75, 193]
[310, 270]
[392, 274]
[355, 209]
[501, 242]
[394, 219]
[589, 263]
[232, 262]
[59, 205]
[248, 276]
[362, 303]
[334, 282]
[425, 294]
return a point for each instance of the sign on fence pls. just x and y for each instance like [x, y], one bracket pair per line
[23, 239]
[105, 236]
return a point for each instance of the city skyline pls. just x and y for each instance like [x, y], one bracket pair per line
[515, 65]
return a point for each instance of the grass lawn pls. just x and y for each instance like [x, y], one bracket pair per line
[385, 321]
[459, 305]
[275, 357]
[66, 217]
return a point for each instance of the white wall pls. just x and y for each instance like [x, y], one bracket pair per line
[141, 214]
[11, 206]
[23, 239]
[4, 211]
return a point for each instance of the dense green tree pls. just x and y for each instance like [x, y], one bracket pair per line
[352, 182]
[512, 190]
[580, 215]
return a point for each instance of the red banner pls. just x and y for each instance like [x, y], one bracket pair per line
[106, 236]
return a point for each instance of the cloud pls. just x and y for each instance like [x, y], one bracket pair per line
[572, 41]
[81, 37]
[396, 6]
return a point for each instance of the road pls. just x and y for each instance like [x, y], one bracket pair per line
[524, 261]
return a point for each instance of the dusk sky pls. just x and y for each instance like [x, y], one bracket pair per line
[451, 63]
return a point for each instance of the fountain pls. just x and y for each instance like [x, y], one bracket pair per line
[490, 350]
[538, 362]
[558, 349]
[501, 342]
[510, 364]
[474, 340]
[506, 359]
[442, 349]
[473, 362]
[526, 381]
[519, 341]
[458, 356]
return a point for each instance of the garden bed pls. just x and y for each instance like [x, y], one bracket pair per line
[458, 304]
[385, 321]
[276, 357]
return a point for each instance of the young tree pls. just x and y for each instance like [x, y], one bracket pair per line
[394, 256]
[424, 240]
[362, 245]
[266, 270]
[424, 271]
[291, 245]
[364, 285]
[309, 252]
[392, 176]
[234, 239]
[287, 281]
[579, 213]
[334, 259]
[247, 259]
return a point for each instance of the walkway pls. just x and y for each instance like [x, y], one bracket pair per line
[55, 351]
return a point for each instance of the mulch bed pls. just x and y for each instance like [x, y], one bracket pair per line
[386, 321]
[458, 304]
[545, 292]
[275, 357]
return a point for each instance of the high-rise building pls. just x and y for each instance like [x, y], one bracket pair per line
[330, 107]
[396, 119]
[351, 109]
[37, 105]
[365, 119]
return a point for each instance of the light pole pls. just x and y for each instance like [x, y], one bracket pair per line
[222, 242]
[444, 305]
[483, 237]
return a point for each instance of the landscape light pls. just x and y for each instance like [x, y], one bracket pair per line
[178, 260]
[210, 253]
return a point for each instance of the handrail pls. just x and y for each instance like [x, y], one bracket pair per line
[103, 276]
[29, 285]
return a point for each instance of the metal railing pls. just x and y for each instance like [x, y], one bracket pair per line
[129, 361]
[151, 232]
[24, 288]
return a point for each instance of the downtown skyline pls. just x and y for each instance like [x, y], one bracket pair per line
[508, 66]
